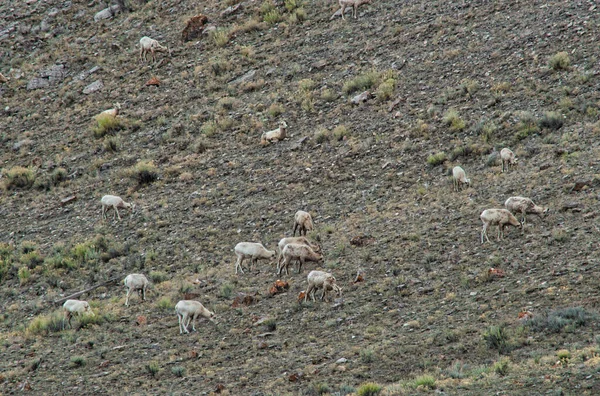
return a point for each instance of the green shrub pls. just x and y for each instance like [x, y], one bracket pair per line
[41, 325]
[111, 144]
[220, 36]
[78, 361]
[226, 290]
[321, 388]
[367, 355]
[144, 172]
[19, 177]
[58, 260]
[339, 132]
[360, 83]
[165, 304]
[158, 276]
[560, 61]
[385, 90]
[556, 321]
[106, 124]
[453, 120]
[275, 110]
[297, 16]
[272, 17]
[209, 128]
[369, 389]
[58, 175]
[24, 275]
[497, 338]
[306, 85]
[178, 371]
[322, 135]
[425, 381]
[32, 259]
[501, 367]
[436, 159]
[152, 368]
[527, 125]
[551, 120]
[291, 5]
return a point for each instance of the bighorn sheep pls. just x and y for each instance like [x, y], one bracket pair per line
[75, 308]
[302, 253]
[189, 310]
[318, 280]
[500, 217]
[352, 3]
[299, 240]
[148, 44]
[524, 205]
[459, 177]
[303, 220]
[274, 135]
[112, 201]
[508, 158]
[112, 112]
[253, 251]
[135, 282]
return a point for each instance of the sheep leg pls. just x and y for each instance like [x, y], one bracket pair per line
[484, 233]
[295, 226]
[308, 290]
[194, 322]
[343, 9]
[127, 298]
[238, 263]
[300, 263]
[354, 10]
[323, 294]
[183, 320]
[144, 294]
[181, 325]
[278, 258]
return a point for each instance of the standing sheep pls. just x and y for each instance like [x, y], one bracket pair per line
[75, 308]
[303, 220]
[148, 44]
[302, 253]
[189, 310]
[300, 240]
[135, 282]
[318, 280]
[459, 177]
[500, 217]
[524, 205]
[508, 158]
[253, 251]
[351, 3]
[112, 201]
[275, 135]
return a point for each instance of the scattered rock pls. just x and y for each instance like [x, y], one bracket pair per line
[3, 79]
[107, 13]
[341, 360]
[319, 64]
[208, 29]
[580, 185]
[360, 98]
[153, 81]
[570, 206]
[69, 199]
[231, 9]
[194, 27]
[93, 87]
[141, 320]
[84, 74]
[362, 240]
[246, 77]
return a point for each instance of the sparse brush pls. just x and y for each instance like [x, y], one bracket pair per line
[369, 389]
[152, 368]
[359, 83]
[425, 381]
[367, 355]
[221, 36]
[24, 275]
[275, 110]
[272, 17]
[328, 95]
[527, 125]
[226, 290]
[144, 172]
[41, 325]
[158, 277]
[306, 85]
[385, 90]
[107, 124]
[209, 129]
[497, 338]
[453, 120]
[111, 144]
[551, 120]
[32, 259]
[178, 371]
[19, 177]
[321, 388]
[560, 61]
[340, 132]
[436, 159]
[501, 367]
[165, 304]
[297, 16]
[78, 361]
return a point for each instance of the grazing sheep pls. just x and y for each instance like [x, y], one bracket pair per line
[352, 3]
[304, 221]
[300, 240]
[274, 135]
[77, 308]
[501, 217]
[253, 251]
[112, 201]
[148, 44]
[524, 205]
[135, 282]
[318, 280]
[189, 310]
[508, 158]
[112, 112]
[459, 177]
[300, 252]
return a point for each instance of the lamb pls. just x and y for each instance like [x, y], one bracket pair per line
[274, 135]
[300, 252]
[135, 282]
[253, 251]
[75, 307]
[148, 44]
[300, 240]
[508, 158]
[501, 217]
[115, 202]
[459, 177]
[189, 310]
[524, 205]
[303, 220]
[353, 3]
[318, 280]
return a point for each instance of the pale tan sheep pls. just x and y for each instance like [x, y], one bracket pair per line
[321, 280]
[189, 310]
[148, 44]
[523, 206]
[275, 135]
[111, 112]
[299, 240]
[135, 282]
[459, 177]
[75, 308]
[303, 221]
[253, 251]
[508, 158]
[351, 3]
[112, 201]
[500, 217]
[300, 252]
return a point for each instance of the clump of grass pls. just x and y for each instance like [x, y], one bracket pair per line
[297, 16]
[158, 276]
[144, 172]
[272, 17]
[41, 325]
[436, 159]
[226, 290]
[340, 132]
[457, 370]
[322, 135]
[425, 381]
[367, 355]
[385, 90]
[527, 125]
[220, 36]
[321, 388]
[462, 151]
[152, 368]
[328, 95]
[178, 371]
[24, 275]
[165, 303]
[19, 177]
[497, 338]
[559, 234]
[501, 367]
[291, 5]
[32, 259]
[551, 120]
[78, 361]
[369, 389]
[107, 124]
[275, 110]
[559, 61]
[563, 354]
[453, 120]
[270, 324]
[360, 83]
[306, 85]
[58, 175]
[566, 318]
[209, 128]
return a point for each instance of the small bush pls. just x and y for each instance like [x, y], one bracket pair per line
[152, 368]
[78, 361]
[425, 381]
[226, 290]
[306, 85]
[360, 83]
[367, 355]
[19, 177]
[220, 36]
[328, 95]
[58, 175]
[270, 324]
[559, 234]
[209, 128]
[551, 120]
[275, 110]
[291, 5]
[453, 120]
[32, 259]
[457, 370]
[527, 126]
[88, 320]
[322, 135]
[41, 325]
[297, 16]
[59, 260]
[560, 61]
[321, 389]
[165, 304]
[106, 124]
[436, 159]
[556, 321]
[272, 17]
[497, 338]
[24, 275]
[501, 367]
[178, 371]
[158, 277]
[144, 172]
[340, 132]
[563, 354]
[385, 90]
[369, 389]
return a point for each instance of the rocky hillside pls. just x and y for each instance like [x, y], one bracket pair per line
[379, 110]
